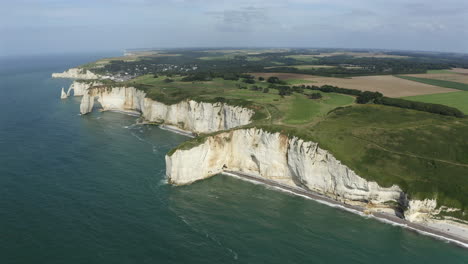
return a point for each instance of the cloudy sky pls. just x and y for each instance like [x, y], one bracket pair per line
[55, 26]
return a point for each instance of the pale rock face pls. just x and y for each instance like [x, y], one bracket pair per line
[187, 115]
[63, 95]
[76, 73]
[421, 210]
[80, 88]
[289, 161]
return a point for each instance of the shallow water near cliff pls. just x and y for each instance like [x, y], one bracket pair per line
[92, 190]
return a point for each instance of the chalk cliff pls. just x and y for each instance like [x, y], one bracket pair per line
[189, 115]
[63, 95]
[76, 73]
[290, 161]
[294, 162]
[80, 87]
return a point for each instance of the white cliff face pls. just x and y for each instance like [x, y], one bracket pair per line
[63, 95]
[80, 88]
[187, 115]
[76, 73]
[421, 210]
[273, 156]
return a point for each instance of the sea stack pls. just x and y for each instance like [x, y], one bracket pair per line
[63, 94]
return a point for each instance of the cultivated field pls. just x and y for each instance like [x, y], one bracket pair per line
[388, 85]
[450, 76]
[458, 100]
[308, 67]
[360, 55]
[460, 70]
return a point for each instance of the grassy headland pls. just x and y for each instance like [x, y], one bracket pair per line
[426, 154]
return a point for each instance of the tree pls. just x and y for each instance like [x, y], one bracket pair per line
[167, 80]
[315, 96]
[284, 90]
[261, 78]
[273, 79]
[266, 90]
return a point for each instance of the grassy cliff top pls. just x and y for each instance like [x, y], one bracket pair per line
[425, 154]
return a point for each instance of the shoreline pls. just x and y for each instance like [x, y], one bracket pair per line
[382, 217]
[430, 229]
[178, 131]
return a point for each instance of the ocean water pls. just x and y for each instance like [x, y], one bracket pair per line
[92, 189]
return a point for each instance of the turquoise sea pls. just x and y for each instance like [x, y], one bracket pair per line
[92, 189]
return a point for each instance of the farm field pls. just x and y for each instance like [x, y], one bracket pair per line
[437, 82]
[458, 99]
[359, 55]
[460, 70]
[448, 76]
[388, 85]
[308, 67]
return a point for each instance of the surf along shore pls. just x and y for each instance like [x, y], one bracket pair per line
[459, 239]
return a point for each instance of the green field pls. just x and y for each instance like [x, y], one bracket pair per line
[441, 71]
[441, 83]
[457, 99]
[297, 81]
[303, 110]
[304, 58]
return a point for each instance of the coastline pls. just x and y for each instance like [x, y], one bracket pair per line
[178, 130]
[428, 230]
[433, 229]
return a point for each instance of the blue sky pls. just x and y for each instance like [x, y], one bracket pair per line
[55, 26]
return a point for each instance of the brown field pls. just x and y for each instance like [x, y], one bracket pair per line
[460, 70]
[360, 55]
[306, 67]
[459, 77]
[388, 85]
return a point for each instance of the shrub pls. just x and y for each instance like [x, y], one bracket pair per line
[315, 96]
[274, 80]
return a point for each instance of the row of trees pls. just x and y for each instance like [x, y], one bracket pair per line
[420, 106]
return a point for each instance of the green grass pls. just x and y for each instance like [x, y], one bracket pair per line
[441, 71]
[215, 58]
[297, 81]
[304, 58]
[440, 83]
[304, 110]
[229, 57]
[456, 99]
[418, 151]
